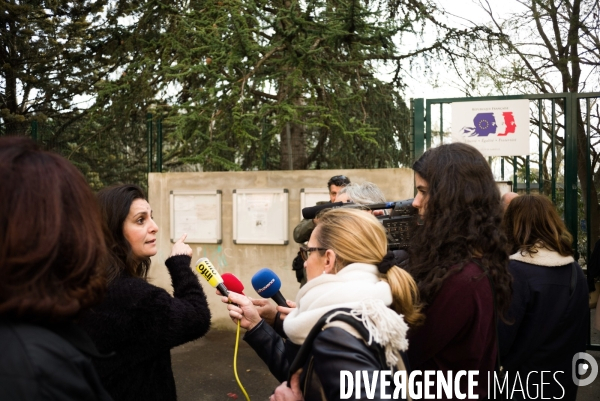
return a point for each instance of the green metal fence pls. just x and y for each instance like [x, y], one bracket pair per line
[104, 156]
[566, 128]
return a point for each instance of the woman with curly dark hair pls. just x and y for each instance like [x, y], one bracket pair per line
[457, 244]
[52, 255]
[549, 311]
[137, 321]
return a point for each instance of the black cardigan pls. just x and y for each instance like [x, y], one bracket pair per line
[140, 323]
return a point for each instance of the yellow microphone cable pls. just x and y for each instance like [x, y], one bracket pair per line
[237, 341]
[208, 271]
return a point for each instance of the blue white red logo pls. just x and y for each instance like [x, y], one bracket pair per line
[500, 124]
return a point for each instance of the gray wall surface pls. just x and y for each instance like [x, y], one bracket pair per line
[245, 260]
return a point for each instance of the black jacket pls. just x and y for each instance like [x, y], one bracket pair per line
[140, 323]
[47, 363]
[334, 350]
[550, 325]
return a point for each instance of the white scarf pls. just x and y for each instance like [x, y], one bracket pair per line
[358, 287]
[543, 257]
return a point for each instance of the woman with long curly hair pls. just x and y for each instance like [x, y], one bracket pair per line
[456, 250]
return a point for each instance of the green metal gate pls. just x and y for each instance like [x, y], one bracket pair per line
[567, 126]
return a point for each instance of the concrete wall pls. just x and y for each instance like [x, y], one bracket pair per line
[245, 260]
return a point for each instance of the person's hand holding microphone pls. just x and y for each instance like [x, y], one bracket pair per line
[242, 309]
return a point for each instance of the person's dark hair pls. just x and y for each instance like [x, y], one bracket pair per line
[338, 181]
[115, 202]
[461, 222]
[532, 219]
[52, 250]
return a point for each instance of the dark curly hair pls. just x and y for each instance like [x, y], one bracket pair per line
[461, 222]
[115, 202]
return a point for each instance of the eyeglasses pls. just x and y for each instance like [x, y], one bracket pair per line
[305, 251]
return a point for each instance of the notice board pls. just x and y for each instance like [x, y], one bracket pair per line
[197, 213]
[260, 216]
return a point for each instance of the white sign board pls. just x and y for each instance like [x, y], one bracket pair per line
[310, 196]
[494, 127]
[260, 216]
[198, 214]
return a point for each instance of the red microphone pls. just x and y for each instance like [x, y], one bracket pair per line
[233, 283]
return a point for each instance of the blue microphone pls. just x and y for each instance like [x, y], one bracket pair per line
[267, 284]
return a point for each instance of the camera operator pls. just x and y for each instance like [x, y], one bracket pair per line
[368, 193]
[458, 246]
[303, 230]
[361, 194]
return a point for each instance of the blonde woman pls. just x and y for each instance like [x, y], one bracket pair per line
[347, 266]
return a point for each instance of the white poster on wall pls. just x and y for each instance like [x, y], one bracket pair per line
[198, 214]
[495, 127]
[260, 216]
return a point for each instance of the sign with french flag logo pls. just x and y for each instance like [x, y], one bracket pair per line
[495, 127]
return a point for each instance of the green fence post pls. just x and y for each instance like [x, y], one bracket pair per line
[540, 157]
[149, 133]
[514, 174]
[159, 145]
[553, 150]
[441, 123]
[588, 174]
[571, 167]
[527, 176]
[418, 128]
[427, 125]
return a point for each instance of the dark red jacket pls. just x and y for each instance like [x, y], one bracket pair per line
[459, 331]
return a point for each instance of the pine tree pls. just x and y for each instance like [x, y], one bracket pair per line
[286, 84]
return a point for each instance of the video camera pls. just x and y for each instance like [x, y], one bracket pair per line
[399, 224]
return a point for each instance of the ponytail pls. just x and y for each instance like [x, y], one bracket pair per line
[405, 294]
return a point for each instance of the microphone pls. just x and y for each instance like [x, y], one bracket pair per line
[208, 271]
[311, 212]
[233, 283]
[267, 284]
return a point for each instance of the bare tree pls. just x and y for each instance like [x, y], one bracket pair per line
[544, 46]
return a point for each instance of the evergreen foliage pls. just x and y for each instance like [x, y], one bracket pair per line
[252, 84]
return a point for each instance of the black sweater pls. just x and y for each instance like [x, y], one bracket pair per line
[140, 323]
